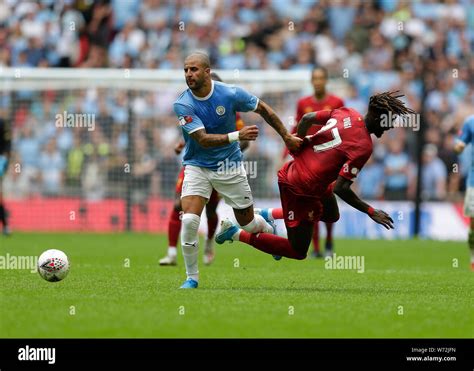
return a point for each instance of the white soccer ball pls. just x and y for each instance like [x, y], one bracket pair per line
[53, 265]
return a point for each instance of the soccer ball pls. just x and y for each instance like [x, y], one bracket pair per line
[53, 265]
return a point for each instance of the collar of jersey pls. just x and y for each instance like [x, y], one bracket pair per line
[207, 96]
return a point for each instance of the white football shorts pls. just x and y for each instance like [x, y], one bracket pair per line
[231, 184]
[469, 202]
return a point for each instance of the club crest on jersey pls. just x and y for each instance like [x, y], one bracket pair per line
[220, 110]
[183, 120]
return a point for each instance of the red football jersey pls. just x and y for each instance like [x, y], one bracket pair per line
[341, 147]
[310, 104]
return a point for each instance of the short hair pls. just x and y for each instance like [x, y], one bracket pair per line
[320, 68]
[203, 58]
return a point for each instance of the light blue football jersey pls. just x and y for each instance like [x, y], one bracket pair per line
[216, 114]
[467, 137]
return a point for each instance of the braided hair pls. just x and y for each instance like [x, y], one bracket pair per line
[388, 102]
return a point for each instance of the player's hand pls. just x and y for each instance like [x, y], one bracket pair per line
[248, 133]
[381, 217]
[293, 143]
[179, 147]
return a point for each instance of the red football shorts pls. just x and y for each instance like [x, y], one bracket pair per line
[297, 207]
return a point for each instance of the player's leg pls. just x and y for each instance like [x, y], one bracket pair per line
[251, 222]
[330, 216]
[212, 221]
[3, 212]
[235, 190]
[196, 191]
[174, 227]
[469, 212]
[329, 247]
[174, 224]
[316, 250]
[471, 243]
[296, 211]
[295, 247]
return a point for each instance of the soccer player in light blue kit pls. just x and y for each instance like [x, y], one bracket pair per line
[465, 138]
[212, 156]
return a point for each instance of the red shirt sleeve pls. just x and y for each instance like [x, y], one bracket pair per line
[322, 117]
[340, 103]
[357, 160]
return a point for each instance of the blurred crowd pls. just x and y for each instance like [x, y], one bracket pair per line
[423, 48]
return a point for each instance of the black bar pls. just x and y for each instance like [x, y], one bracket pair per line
[153, 352]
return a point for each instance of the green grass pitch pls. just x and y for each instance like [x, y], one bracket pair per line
[115, 288]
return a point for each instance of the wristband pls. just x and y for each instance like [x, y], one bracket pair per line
[370, 211]
[233, 137]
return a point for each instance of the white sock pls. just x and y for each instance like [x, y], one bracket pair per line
[270, 214]
[258, 225]
[189, 244]
[172, 252]
[236, 236]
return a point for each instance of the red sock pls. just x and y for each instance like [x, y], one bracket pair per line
[329, 229]
[277, 213]
[316, 237]
[270, 244]
[212, 226]
[174, 226]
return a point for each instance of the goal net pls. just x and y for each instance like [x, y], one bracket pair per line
[93, 150]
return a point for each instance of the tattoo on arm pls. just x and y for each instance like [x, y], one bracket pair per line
[209, 140]
[271, 118]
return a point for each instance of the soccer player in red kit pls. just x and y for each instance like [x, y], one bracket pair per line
[337, 152]
[321, 100]
[174, 223]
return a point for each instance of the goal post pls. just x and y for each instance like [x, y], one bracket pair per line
[93, 149]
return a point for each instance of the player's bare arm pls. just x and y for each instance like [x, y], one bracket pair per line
[305, 123]
[207, 140]
[292, 142]
[311, 118]
[344, 191]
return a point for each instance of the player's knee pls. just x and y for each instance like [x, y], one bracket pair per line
[300, 242]
[331, 217]
[301, 256]
[301, 251]
[189, 227]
